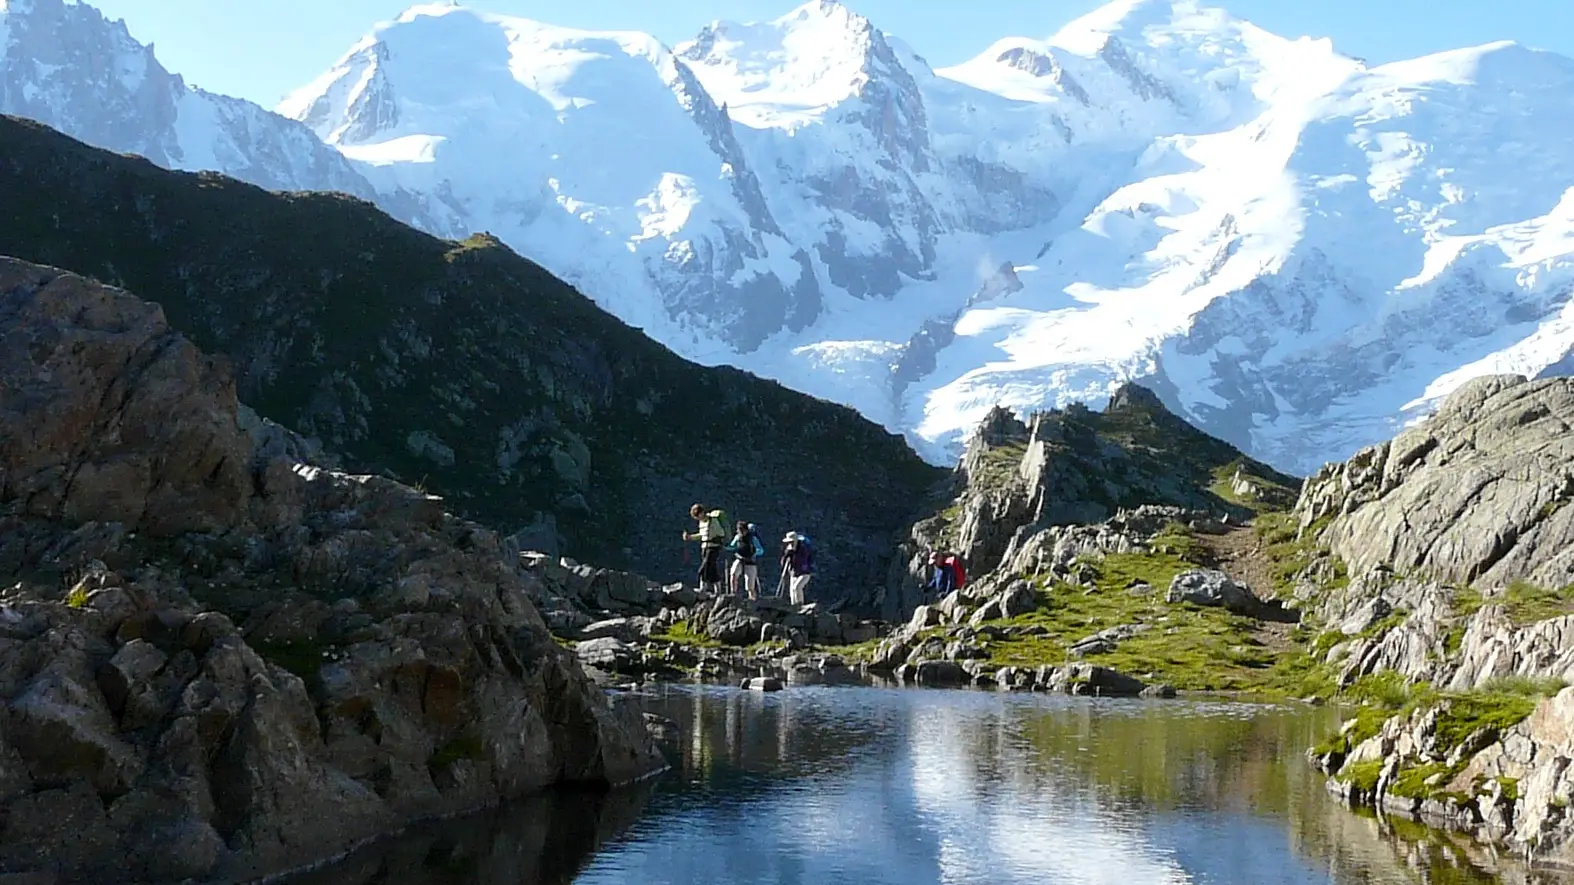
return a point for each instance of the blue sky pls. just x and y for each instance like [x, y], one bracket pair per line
[261, 49]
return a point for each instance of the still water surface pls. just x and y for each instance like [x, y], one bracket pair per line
[921, 787]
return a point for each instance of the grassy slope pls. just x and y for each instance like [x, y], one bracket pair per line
[348, 325]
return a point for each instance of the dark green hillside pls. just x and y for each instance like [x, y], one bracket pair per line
[459, 366]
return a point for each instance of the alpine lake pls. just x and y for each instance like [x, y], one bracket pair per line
[880, 785]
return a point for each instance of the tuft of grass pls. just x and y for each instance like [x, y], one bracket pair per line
[1465, 714]
[1510, 788]
[1525, 686]
[1387, 690]
[1294, 552]
[682, 633]
[1523, 602]
[1325, 642]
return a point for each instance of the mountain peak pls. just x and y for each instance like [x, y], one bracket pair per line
[831, 11]
[421, 10]
[1134, 18]
[791, 69]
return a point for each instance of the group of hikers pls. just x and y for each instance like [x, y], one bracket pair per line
[747, 550]
[797, 560]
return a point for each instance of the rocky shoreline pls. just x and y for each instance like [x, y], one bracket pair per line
[1458, 636]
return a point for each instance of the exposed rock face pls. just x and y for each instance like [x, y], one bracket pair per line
[1458, 537]
[1480, 492]
[1070, 469]
[259, 663]
[108, 414]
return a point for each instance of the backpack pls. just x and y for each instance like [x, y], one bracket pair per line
[803, 558]
[718, 523]
[754, 539]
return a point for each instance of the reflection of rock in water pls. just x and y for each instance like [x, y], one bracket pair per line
[542, 840]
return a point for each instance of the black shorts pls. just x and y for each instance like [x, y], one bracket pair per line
[710, 569]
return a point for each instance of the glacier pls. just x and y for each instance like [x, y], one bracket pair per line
[1300, 252]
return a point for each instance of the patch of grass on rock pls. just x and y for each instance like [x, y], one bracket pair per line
[1187, 646]
[682, 633]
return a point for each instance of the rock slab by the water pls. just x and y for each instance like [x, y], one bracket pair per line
[217, 662]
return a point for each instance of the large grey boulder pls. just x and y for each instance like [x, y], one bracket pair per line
[1209, 587]
[932, 672]
[1482, 491]
[610, 654]
[1018, 599]
[729, 622]
[1089, 679]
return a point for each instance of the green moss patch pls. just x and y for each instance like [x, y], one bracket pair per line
[1363, 775]
[998, 465]
[1423, 781]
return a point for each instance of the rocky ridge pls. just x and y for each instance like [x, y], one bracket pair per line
[1067, 468]
[1457, 614]
[218, 661]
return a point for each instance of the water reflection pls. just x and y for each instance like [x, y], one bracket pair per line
[544, 840]
[909, 787]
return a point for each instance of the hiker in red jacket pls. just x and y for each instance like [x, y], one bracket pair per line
[953, 563]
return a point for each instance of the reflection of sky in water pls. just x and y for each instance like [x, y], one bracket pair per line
[838, 785]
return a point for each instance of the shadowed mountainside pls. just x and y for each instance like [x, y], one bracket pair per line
[461, 367]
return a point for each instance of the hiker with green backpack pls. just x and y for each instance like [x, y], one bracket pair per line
[712, 535]
[746, 551]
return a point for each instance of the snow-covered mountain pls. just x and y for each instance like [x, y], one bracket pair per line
[1298, 250]
[62, 63]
